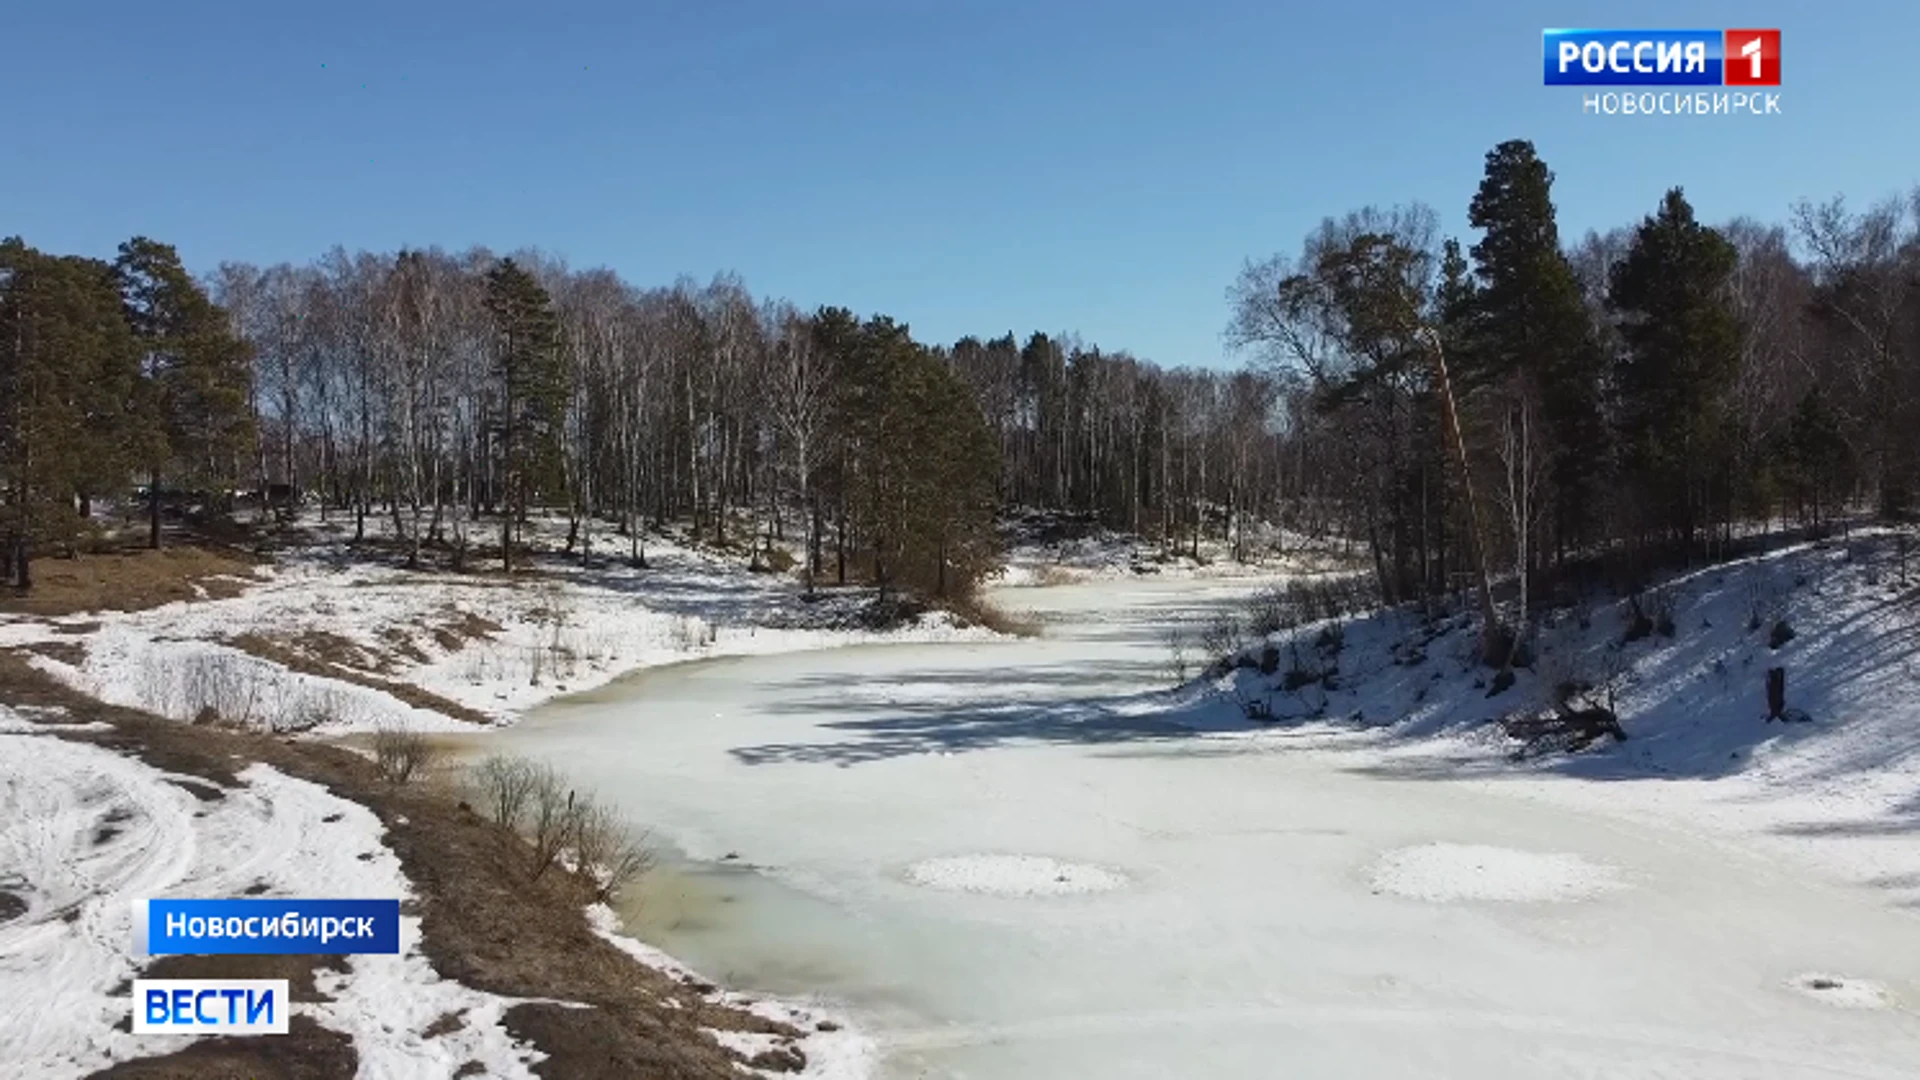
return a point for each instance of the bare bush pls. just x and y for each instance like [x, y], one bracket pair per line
[606, 851]
[534, 801]
[307, 709]
[503, 785]
[1304, 600]
[1176, 639]
[1222, 636]
[220, 687]
[401, 754]
[552, 819]
[691, 633]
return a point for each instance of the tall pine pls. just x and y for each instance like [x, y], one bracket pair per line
[1676, 317]
[67, 364]
[1529, 341]
[530, 384]
[194, 426]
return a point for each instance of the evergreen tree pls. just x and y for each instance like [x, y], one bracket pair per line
[1682, 340]
[530, 383]
[195, 375]
[1819, 461]
[67, 361]
[1529, 338]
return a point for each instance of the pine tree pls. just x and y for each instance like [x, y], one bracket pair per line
[195, 375]
[1819, 461]
[67, 363]
[1682, 347]
[530, 381]
[1529, 337]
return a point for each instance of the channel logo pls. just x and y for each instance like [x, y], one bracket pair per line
[1661, 57]
[210, 1006]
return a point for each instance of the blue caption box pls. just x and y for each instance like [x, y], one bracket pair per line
[1632, 57]
[266, 926]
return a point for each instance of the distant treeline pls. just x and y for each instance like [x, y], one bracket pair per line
[1641, 391]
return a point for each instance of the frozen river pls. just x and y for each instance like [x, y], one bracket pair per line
[1000, 873]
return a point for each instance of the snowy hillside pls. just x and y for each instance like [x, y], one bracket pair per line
[327, 644]
[1839, 779]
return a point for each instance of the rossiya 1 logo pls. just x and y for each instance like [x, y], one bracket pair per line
[1667, 58]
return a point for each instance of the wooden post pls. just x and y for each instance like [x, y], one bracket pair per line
[1776, 693]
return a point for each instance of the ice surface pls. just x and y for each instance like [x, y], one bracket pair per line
[1248, 941]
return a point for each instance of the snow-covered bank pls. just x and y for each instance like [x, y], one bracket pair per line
[86, 831]
[333, 646]
[1839, 783]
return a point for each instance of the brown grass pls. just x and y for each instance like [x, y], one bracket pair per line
[70, 653]
[462, 627]
[318, 653]
[483, 923]
[131, 580]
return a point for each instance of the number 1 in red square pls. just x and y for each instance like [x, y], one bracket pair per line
[1753, 58]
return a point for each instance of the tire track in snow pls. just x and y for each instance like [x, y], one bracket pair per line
[85, 832]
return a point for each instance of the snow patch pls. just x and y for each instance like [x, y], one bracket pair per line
[1444, 872]
[1013, 875]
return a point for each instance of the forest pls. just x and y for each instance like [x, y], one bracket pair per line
[1517, 409]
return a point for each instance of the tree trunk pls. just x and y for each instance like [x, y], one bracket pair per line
[153, 509]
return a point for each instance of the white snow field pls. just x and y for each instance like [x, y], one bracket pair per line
[1273, 902]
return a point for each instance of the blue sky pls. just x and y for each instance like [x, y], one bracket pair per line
[965, 167]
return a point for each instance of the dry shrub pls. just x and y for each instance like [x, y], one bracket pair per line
[604, 849]
[976, 611]
[533, 800]
[503, 785]
[401, 754]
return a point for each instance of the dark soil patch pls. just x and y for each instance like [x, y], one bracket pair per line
[306, 1052]
[445, 1024]
[295, 656]
[331, 648]
[460, 627]
[599, 1044]
[203, 792]
[483, 922]
[131, 580]
[70, 653]
[109, 826]
[402, 645]
[11, 907]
